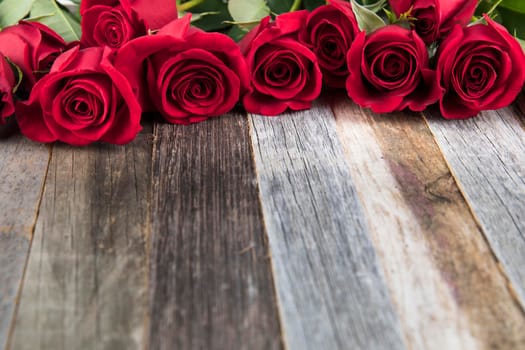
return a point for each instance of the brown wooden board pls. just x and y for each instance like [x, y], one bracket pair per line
[487, 157]
[85, 285]
[211, 279]
[447, 286]
[23, 166]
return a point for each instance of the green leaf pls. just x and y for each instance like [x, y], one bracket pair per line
[57, 18]
[212, 22]
[279, 6]
[376, 6]
[514, 21]
[367, 20]
[11, 11]
[237, 33]
[515, 5]
[510, 13]
[483, 7]
[248, 10]
[73, 6]
[311, 5]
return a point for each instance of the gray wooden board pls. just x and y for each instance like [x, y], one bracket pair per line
[86, 280]
[487, 156]
[211, 279]
[23, 167]
[331, 291]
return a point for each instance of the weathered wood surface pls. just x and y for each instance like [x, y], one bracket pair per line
[23, 167]
[487, 156]
[211, 280]
[330, 228]
[445, 282]
[85, 285]
[331, 292]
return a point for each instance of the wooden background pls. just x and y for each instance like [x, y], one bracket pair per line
[332, 228]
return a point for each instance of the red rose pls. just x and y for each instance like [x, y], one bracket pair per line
[389, 71]
[33, 47]
[110, 26]
[155, 13]
[82, 100]
[7, 83]
[436, 18]
[480, 67]
[285, 73]
[186, 74]
[330, 30]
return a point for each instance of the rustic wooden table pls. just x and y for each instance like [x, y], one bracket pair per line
[327, 229]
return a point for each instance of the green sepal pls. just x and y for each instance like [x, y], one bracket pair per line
[17, 72]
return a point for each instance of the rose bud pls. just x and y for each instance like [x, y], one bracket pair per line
[154, 13]
[389, 71]
[435, 18]
[184, 73]
[110, 26]
[480, 67]
[284, 72]
[7, 83]
[329, 31]
[33, 47]
[83, 99]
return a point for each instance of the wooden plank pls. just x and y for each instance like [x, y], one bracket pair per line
[487, 157]
[445, 282]
[212, 284]
[23, 166]
[331, 291]
[85, 285]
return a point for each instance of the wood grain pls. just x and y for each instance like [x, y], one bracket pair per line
[331, 292]
[487, 157]
[212, 285]
[446, 284]
[85, 285]
[23, 166]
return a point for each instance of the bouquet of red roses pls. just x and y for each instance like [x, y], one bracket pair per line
[86, 71]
